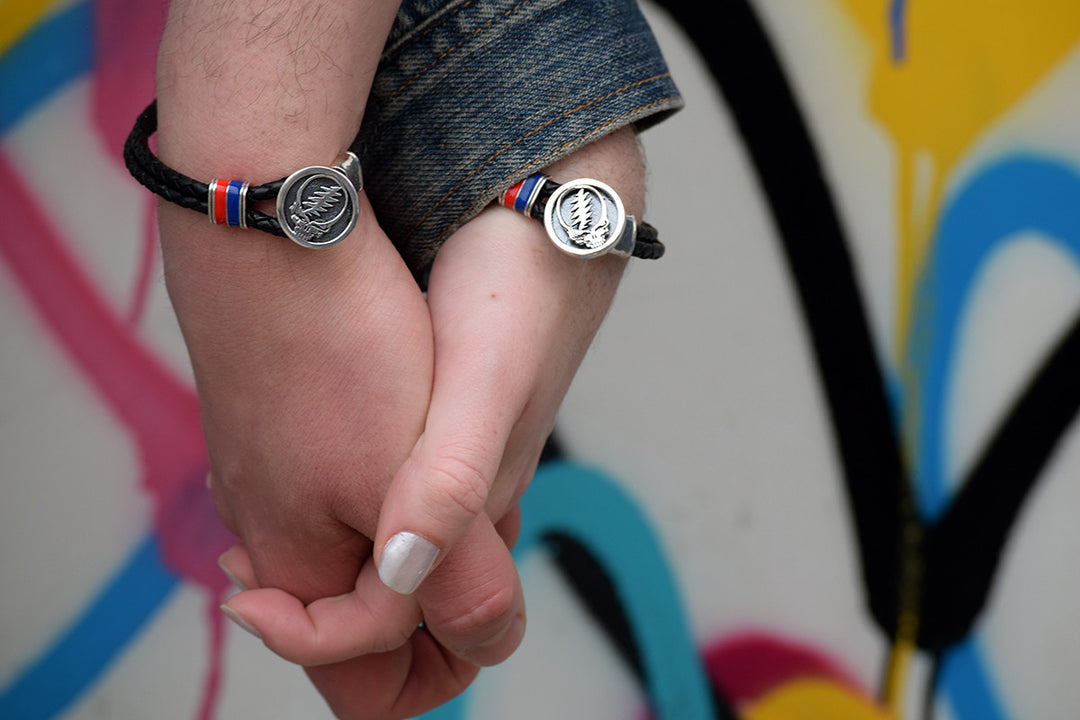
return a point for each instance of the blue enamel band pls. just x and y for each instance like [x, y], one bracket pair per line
[227, 203]
[523, 201]
[234, 203]
[520, 196]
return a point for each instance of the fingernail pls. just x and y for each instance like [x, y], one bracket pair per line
[239, 620]
[406, 560]
[229, 573]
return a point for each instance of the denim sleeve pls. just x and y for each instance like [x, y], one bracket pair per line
[472, 95]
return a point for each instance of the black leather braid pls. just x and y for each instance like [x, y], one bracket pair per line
[180, 189]
[189, 193]
[543, 194]
[647, 245]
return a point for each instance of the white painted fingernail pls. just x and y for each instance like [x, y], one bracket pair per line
[406, 560]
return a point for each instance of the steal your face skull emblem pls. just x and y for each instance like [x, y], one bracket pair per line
[317, 206]
[584, 217]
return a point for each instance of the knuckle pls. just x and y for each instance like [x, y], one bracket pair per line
[480, 620]
[459, 485]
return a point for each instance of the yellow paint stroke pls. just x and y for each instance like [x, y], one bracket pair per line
[901, 656]
[965, 63]
[813, 699]
[18, 16]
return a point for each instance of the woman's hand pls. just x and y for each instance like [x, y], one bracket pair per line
[513, 318]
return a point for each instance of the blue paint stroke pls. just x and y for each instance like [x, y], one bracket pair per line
[586, 505]
[52, 54]
[968, 684]
[1012, 196]
[79, 656]
[897, 11]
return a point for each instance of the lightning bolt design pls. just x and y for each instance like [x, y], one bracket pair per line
[321, 200]
[581, 210]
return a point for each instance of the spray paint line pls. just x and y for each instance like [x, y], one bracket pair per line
[83, 652]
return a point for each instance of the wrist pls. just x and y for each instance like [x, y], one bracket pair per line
[216, 271]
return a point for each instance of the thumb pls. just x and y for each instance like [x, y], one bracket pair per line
[444, 484]
[474, 604]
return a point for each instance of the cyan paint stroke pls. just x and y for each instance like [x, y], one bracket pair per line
[79, 656]
[588, 506]
[1011, 196]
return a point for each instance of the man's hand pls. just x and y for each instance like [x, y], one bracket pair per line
[323, 373]
[314, 390]
[512, 320]
[313, 367]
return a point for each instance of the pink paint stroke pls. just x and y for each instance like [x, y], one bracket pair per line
[127, 34]
[746, 665]
[126, 38]
[140, 296]
[160, 412]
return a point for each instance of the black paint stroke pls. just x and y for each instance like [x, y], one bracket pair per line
[747, 71]
[600, 598]
[965, 545]
[598, 595]
[960, 552]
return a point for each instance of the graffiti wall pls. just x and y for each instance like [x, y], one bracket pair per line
[820, 463]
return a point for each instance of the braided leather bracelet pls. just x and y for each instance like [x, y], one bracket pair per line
[584, 217]
[316, 206]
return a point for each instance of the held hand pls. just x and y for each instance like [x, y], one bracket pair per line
[314, 371]
[314, 368]
[413, 673]
[513, 318]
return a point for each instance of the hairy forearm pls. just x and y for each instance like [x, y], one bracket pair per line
[253, 90]
[262, 85]
[313, 367]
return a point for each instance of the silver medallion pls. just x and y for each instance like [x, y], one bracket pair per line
[318, 206]
[585, 218]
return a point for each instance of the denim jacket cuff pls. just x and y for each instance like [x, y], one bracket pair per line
[472, 96]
